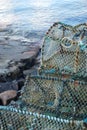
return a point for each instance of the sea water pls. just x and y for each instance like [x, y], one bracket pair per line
[39, 15]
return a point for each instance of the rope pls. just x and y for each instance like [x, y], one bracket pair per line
[41, 115]
[54, 79]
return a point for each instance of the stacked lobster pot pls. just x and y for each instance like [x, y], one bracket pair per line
[55, 98]
[61, 85]
[64, 49]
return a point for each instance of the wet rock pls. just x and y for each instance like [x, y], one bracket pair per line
[33, 71]
[7, 95]
[17, 54]
[9, 86]
[20, 83]
[16, 57]
[14, 73]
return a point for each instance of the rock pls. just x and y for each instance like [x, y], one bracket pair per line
[20, 83]
[14, 73]
[32, 71]
[16, 57]
[7, 95]
[9, 86]
[17, 54]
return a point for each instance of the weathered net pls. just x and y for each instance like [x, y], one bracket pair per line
[16, 119]
[56, 98]
[64, 97]
[65, 49]
[48, 103]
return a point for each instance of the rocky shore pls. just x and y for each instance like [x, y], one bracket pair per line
[18, 57]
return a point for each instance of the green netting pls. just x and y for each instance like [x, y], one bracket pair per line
[62, 97]
[56, 98]
[50, 103]
[16, 119]
[65, 49]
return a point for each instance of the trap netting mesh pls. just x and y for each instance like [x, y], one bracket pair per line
[64, 97]
[14, 119]
[48, 103]
[56, 98]
[64, 49]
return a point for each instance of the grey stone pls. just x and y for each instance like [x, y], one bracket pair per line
[16, 57]
[8, 86]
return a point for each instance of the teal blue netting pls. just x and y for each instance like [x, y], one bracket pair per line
[56, 98]
[64, 49]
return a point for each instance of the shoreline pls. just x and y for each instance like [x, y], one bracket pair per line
[18, 57]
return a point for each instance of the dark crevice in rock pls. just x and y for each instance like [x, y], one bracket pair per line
[14, 77]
